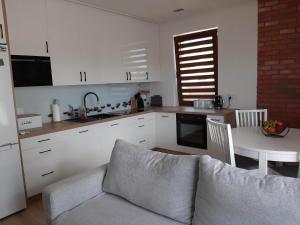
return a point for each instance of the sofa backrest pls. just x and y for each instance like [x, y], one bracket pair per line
[162, 183]
[230, 196]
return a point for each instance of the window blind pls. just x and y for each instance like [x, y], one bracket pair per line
[196, 66]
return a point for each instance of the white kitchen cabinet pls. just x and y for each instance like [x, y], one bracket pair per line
[2, 30]
[143, 130]
[165, 131]
[84, 150]
[43, 161]
[27, 27]
[66, 38]
[52, 157]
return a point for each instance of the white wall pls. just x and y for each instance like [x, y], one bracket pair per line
[237, 41]
[38, 99]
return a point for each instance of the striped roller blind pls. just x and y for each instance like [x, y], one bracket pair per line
[197, 66]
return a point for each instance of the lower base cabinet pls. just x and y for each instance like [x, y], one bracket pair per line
[50, 158]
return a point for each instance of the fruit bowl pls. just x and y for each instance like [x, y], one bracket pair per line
[274, 128]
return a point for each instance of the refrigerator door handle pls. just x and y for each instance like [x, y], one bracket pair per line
[8, 145]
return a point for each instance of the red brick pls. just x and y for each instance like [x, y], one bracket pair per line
[278, 82]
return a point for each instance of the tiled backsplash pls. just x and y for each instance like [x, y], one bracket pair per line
[39, 99]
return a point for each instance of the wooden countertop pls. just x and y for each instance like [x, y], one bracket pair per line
[67, 125]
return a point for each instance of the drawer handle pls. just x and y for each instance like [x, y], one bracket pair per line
[165, 116]
[142, 141]
[113, 125]
[43, 152]
[216, 120]
[84, 131]
[141, 126]
[141, 118]
[46, 174]
[48, 139]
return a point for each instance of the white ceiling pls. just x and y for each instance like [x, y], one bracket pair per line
[160, 10]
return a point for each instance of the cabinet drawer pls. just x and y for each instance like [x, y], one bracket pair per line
[40, 141]
[37, 180]
[219, 119]
[39, 157]
[144, 117]
[41, 167]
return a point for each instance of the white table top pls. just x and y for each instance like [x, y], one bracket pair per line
[253, 139]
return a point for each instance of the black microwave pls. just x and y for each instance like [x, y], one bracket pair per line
[31, 71]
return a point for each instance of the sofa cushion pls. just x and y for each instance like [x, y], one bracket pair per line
[232, 196]
[111, 210]
[162, 183]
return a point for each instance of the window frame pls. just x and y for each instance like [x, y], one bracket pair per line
[196, 35]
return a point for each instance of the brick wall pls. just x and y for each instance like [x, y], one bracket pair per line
[278, 86]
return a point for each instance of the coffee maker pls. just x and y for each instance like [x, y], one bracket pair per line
[218, 102]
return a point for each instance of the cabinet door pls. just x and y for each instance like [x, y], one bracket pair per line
[66, 38]
[27, 27]
[8, 126]
[12, 194]
[83, 150]
[166, 130]
[2, 30]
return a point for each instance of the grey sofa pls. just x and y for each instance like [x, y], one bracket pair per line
[141, 187]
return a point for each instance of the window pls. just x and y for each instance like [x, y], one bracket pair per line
[196, 66]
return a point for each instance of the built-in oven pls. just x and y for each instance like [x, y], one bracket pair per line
[191, 130]
[31, 71]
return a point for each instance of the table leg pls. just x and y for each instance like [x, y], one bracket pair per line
[263, 163]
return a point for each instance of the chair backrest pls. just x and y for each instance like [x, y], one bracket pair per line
[251, 118]
[220, 144]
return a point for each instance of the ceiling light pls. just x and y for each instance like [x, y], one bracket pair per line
[178, 10]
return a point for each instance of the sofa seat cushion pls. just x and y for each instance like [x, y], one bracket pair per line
[162, 183]
[108, 209]
[230, 196]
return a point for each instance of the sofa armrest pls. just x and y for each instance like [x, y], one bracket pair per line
[71, 192]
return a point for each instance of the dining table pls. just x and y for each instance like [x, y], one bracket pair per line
[253, 143]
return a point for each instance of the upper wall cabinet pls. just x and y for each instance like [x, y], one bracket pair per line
[67, 42]
[2, 30]
[27, 27]
[86, 45]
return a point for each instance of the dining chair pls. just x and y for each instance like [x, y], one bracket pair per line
[220, 143]
[251, 118]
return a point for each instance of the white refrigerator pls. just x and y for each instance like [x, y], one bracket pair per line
[12, 194]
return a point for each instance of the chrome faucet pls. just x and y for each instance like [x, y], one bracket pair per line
[87, 94]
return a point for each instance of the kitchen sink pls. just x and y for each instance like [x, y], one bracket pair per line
[92, 118]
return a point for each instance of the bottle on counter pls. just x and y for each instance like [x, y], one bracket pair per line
[56, 111]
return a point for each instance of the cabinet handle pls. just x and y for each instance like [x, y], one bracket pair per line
[84, 76]
[43, 152]
[1, 31]
[216, 120]
[147, 74]
[113, 125]
[48, 139]
[142, 141]
[80, 76]
[141, 126]
[126, 75]
[165, 116]
[47, 47]
[46, 174]
[84, 131]
[129, 75]
[142, 118]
